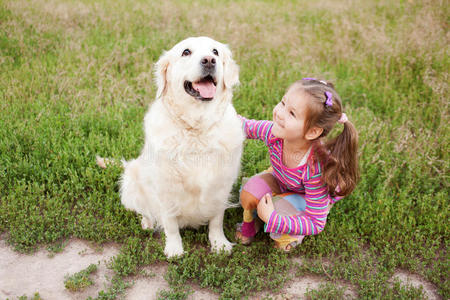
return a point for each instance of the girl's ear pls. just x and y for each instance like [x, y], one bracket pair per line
[161, 74]
[230, 69]
[313, 133]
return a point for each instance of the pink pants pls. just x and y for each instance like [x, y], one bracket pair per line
[285, 204]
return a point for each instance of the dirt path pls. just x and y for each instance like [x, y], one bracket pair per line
[22, 274]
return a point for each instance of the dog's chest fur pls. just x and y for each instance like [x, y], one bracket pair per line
[199, 159]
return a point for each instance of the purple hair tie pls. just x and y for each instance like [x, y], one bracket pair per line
[307, 78]
[329, 101]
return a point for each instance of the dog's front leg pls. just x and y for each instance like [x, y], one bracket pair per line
[174, 245]
[216, 235]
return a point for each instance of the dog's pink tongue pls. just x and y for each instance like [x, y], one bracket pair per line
[206, 88]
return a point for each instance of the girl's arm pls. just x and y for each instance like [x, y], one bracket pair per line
[254, 129]
[316, 212]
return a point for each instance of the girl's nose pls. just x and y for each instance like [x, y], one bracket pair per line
[276, 116]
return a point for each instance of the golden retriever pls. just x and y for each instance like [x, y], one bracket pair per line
[193, 145]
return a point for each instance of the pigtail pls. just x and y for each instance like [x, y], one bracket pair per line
[341, 171]
[338, 156]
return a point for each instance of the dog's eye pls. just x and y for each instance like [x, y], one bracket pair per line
[186, 52]
[216, 52]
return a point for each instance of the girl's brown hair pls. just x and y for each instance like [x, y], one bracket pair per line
[338, 156]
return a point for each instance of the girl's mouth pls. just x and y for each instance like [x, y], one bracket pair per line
[276, 122]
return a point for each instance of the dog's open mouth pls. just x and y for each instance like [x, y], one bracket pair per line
[203, 90]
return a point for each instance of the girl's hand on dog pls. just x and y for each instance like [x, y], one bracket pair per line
[265, 208]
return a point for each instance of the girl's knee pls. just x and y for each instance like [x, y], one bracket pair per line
[248, 201]
[257, 187]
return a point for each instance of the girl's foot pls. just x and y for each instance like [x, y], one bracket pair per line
[243, 239]
[288, 246]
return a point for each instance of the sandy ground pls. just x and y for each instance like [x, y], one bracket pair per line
[22, 274]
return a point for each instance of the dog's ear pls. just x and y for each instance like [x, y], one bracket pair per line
[161, 74]
[230, 69]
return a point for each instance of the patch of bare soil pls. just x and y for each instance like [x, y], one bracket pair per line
[149, 286]
[297, 287]
[416, 281]
[22, 274]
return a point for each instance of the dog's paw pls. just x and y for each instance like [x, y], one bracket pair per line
[221, 245]
[173, 249]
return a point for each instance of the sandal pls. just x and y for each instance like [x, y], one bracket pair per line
[287, 246]
[246, 240]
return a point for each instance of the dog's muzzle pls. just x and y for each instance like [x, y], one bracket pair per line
[204, 89]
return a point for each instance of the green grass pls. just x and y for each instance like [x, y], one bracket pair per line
[76, 81]
[80, 280]
[36, 296]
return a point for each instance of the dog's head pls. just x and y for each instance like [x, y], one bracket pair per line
[198, 68]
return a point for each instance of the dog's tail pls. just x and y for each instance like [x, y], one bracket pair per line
[104, 162]
[230, 204]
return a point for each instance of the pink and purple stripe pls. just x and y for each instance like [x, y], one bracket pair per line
[304, 179]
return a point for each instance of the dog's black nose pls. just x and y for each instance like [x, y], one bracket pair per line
[208, 62]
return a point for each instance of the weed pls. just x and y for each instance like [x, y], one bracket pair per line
[176, 293]
[80, 280]
[36, 296]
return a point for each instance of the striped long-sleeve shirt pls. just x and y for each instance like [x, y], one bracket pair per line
[305, 179]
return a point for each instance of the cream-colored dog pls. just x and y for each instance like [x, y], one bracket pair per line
[193, 145]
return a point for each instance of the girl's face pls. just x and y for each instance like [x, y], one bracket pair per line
[289, 116]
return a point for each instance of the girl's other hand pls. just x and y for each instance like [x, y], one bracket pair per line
[265, 208]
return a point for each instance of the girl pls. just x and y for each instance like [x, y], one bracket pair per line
[311, 174]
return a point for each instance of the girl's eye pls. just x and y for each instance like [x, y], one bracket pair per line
[216, 52]
[292, 114]
[186, 52]
[282, 103]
